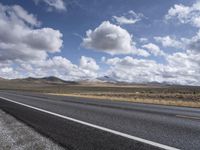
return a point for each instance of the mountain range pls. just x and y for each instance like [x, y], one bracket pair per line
[105, 80]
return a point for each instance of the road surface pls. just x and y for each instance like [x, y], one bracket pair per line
[89, 124]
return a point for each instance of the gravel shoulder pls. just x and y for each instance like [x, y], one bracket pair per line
[14, 135]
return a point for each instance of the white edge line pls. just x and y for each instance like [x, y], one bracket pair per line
[97, 127]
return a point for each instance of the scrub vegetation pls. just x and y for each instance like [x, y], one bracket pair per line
[143, 93]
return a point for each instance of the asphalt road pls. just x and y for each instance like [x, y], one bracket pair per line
[104, 124]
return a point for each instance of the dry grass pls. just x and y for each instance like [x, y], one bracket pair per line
[156, 94]
[171, 102]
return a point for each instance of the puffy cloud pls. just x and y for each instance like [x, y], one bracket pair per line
[111, 39]
[60, 67]
[25, 45]
[88, 63]
[142, 52]
[185, 14]
[180, 68]
[20, 40]
[193, 43]
[180, 11]
[56, 66]
[154, 49]
[24, 49]
[53, 4]
[8, 72]
[168, 41]
[184, 68]
[44, 39]
[129, 69]
[9, 51]
[129, 18]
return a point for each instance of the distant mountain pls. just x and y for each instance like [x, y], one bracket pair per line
[2, 79]
[48, 80]
[107, 79]
[100, 81]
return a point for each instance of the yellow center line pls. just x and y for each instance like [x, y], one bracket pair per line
[188, 117]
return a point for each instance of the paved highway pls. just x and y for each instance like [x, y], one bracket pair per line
[89, 124]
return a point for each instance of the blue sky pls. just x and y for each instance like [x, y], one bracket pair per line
[130, 41]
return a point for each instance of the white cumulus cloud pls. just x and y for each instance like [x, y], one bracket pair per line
[56, 66]
[154, 49]
[168, 41]
[180, 68]
[25, 48]
[111, 39]
[19, 39]
[88, 63]
[185, 14]
[193, 43]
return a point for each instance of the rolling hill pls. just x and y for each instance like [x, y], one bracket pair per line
[44, 80]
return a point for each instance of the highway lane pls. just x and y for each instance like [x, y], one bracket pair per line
[178, 127]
